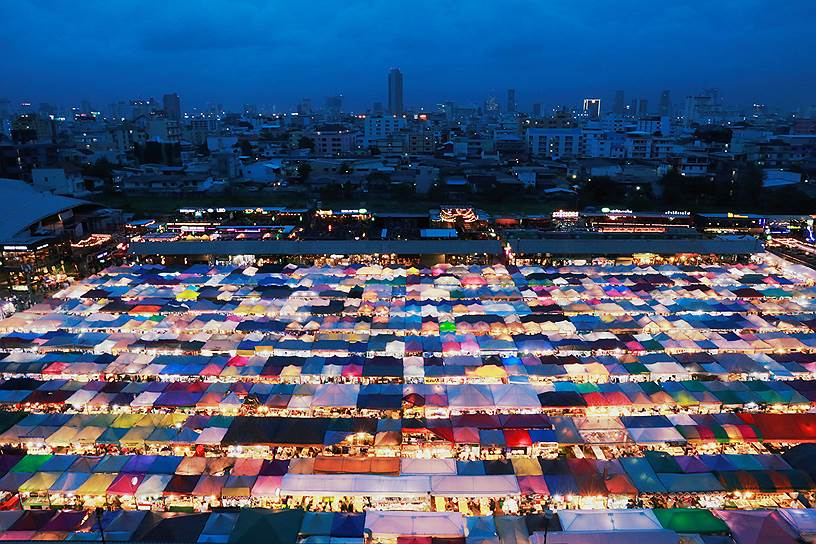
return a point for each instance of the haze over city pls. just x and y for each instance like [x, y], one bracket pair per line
[276, 53]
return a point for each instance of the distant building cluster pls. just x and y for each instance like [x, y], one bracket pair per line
[158, 146]
[56, 162]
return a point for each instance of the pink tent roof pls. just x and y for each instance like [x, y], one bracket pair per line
[758, 526]
[125, 484]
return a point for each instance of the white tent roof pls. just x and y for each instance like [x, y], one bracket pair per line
[594, 521]
[474, 486]
[427, 466]
[613, 537]
[655, 434]
[467, 396]
[514, 395]
[340, 395]
[415, 523]
[354, 484]
[802, 519]
[153, 485]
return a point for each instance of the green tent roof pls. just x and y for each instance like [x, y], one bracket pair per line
[690, 520]
[31, 463]
[267, 527]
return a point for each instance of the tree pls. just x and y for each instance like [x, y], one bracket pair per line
[304, 169]
[685, 192]
[748, 186]
[713, 134]
[158, 153]
[672, 183]
[102, 169]
[436, 193]
[378, 180]
[403, 190]
[306, 143]
[788, 199]
[599, 190]
[332, 192]
[245, 146]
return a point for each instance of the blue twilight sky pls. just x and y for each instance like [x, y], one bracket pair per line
[277, 52]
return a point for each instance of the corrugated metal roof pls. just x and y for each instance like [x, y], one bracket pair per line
[21, 205]
[318, 247]
[733, 245]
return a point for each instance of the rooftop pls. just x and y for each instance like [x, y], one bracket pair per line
[22, 206]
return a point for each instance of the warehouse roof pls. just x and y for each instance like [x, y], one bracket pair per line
[317, 247]
[21, 206]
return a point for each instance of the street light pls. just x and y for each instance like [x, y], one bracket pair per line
[100, 511]
[548, 516]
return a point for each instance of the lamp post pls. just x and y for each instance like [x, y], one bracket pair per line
[100, 511]
[548, 515]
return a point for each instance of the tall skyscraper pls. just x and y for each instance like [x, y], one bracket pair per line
[619, 108]
[395, 106]
[592, 108]
[491, 107]
[537, 109]
[171, 104]
[643, 107]
[511, 101]
[665, 103]
[305, 107]
[334, 105]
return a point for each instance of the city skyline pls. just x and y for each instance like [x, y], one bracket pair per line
[617, 103]
[553, 53]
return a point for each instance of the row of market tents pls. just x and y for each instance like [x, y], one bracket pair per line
[326, 344]
[237, 300]
[394, 315]
[660, 526]
[512, 368]
[164, 430]
[155, 476]
[230, 397]
[130, 280]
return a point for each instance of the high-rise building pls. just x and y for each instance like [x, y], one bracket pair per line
[643, 107]
[491, 106]
[395, 106]
[171, 104]
[334, 105]
[30, 127]
[305, 107]
[512, 105]
[619, 107]
[592, 108]
[665, 103]
[139, 108]
[704, 108]
[537, 109]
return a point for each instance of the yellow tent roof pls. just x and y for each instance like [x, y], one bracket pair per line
[41, 481]
[526, 466]
[490, 371]
[97, 484]
[125, 421]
